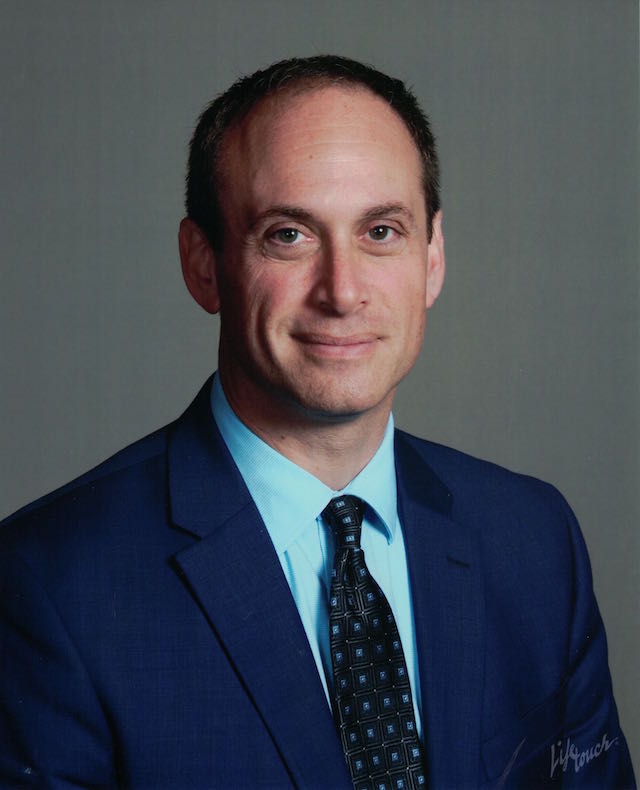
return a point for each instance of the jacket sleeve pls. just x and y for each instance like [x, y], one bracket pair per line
[570, 737]
[592, 751]
[53, 730]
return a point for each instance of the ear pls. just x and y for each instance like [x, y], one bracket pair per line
[435, 260]
[198, 265]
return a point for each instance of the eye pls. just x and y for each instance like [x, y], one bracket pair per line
[380, 233]
[287, 242]
[287, 235]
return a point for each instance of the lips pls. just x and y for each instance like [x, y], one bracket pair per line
[314, 338]
[337, 346]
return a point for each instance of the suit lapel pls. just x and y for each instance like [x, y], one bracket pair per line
[235, 576]
[448, 598]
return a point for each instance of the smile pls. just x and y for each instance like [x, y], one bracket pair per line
[331, 346]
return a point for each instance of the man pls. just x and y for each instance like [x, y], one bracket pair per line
[278, 589]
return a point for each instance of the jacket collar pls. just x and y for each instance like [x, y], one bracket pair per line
[205, 487]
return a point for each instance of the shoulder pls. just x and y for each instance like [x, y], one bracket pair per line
[511, 514]
[474, 482]
[108, 473]
[124, 477]
[101, 508]
[121, 468]
[118, 511]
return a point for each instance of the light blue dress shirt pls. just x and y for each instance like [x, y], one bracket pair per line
[291, 500]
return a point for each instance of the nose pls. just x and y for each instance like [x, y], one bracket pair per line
[341, 284]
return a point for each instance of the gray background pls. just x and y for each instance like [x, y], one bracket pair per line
[531, 357]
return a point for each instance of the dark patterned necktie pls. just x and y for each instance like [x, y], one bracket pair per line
[373, 707]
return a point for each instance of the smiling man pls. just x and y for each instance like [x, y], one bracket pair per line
[326, 264]
[279, 589]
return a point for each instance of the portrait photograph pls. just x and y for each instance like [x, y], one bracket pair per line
[353, 236]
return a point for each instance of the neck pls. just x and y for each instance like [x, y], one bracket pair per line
[333, 449]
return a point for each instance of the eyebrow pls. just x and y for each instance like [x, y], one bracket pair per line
[386, 209]
[302, 215]
[292, 212]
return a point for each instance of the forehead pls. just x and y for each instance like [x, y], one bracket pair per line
[336, 127]
[319, 114]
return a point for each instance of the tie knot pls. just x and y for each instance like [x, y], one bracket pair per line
[344, 514]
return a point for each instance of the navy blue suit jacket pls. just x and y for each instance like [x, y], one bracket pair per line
[148, 637]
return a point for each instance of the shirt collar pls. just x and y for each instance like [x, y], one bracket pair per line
[288, 497]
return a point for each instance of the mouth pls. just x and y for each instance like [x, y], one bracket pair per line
[336, 346]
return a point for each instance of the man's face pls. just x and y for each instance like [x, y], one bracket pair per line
[323, 279]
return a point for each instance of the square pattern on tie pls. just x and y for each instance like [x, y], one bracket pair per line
[372, 694]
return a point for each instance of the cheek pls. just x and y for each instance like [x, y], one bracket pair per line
[414, 320]
[275, 293]
[406, 297]
[242, 292]
[267, 307]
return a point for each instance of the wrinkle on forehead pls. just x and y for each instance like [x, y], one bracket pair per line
[320, 116]
[330, 124]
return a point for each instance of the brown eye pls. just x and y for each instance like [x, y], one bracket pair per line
[380, 233]
[287, 235]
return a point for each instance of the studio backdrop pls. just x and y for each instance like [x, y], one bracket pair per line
[531, 353]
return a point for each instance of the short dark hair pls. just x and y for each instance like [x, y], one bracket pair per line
[296, 74]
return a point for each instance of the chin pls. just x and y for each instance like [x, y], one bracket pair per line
[338, 407]
[331, 414]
